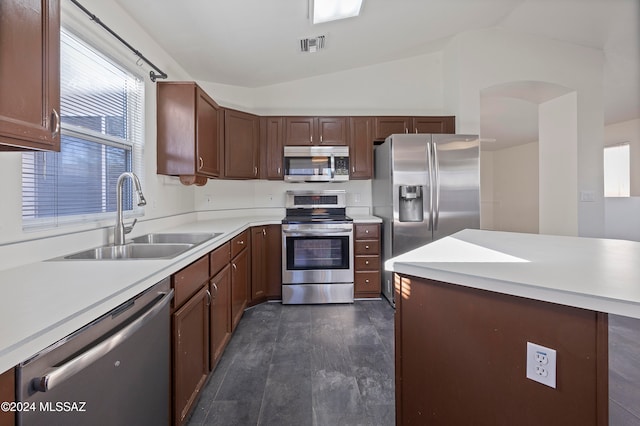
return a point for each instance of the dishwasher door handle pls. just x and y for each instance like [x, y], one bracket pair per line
[68, 369]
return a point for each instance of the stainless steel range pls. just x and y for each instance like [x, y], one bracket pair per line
[317, 245]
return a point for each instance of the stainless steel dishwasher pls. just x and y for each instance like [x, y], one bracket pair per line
[113, 371]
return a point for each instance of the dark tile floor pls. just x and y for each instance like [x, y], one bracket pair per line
[624, 371]
[305, 365]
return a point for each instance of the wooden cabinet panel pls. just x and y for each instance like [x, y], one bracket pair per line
[220, 314]
[361, 147]
[189, 125]
[434, 125]
[271, 151]
[367, 263]
[240, 275]
[189, 280]
[332, 131]
[7, 394]
[367, 247]
[299, 130]
[29, 75]
[439, 369]
[266, 263]
[239, 243]
[190, 353]
[385, 126]
[219, 258]
[241, 137]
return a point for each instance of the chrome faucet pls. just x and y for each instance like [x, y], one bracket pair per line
[120, 229]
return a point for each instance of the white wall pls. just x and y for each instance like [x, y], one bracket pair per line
[515, 188]
[487, 58]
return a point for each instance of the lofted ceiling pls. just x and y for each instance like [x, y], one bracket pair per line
[253, 43]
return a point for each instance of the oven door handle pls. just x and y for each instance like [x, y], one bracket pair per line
[328, 233]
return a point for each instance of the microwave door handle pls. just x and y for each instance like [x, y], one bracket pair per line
[333, 166]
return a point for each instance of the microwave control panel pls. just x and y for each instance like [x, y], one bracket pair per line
[342, 166]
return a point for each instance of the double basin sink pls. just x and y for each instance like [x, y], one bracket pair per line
[149, 246]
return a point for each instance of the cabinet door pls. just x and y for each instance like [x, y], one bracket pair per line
[385, 126]
[273, 258]
[30, 74]
[190, 353]
[207, 135]
[258, 263]
[361, 147]
[434, 125]
[240, 274]
[220, 289]
[299, 130]
[272, 148]
[240, 145]
[332, 131]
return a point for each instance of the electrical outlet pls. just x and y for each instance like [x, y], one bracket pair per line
[541, 364]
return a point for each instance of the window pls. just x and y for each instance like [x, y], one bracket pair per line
[102, 116]
[617, 174]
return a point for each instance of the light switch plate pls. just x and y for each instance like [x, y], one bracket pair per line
[541, 364]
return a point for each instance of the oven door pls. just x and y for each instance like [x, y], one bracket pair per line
[317, 253]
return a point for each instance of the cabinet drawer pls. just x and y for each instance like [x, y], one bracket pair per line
[189, 280]
[367, 232]
[219, 258]
[367, 247]
[239, 243]
[367, 282]
[367, 263]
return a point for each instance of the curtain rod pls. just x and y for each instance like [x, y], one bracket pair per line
[152, 75]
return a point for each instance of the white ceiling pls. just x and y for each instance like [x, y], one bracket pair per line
[254, 43]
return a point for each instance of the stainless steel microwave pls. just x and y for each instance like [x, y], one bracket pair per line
[316, 163]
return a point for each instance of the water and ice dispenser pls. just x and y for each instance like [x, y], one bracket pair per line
[410, 205]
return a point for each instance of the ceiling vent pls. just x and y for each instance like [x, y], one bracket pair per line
[312, 44]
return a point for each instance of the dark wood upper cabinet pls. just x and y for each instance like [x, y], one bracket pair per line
[190, 127]
[316, 131]
[271, 151]
[389, 125]
[361, 147]
[29, 75]
[434, 124]
[241, 138]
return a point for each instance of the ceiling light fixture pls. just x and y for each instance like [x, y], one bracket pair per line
[332, 10]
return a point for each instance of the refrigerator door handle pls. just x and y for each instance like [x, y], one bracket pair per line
[429, 173]
[436, 172]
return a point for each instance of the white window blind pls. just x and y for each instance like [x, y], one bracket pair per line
[102, 120]
[617, 171]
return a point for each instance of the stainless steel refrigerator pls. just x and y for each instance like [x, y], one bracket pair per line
[425, 187]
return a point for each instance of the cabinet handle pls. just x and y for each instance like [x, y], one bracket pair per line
[311, 140]
[366, 231]
[320, 138]
[406, 130]
[278, 170]
[216, 288]
[234, 266]
[366, 262]
[366, 247]
[208, 298]
[200, 163]
[255, 171]
[353, 169]
[241, 242]
[366, 281]
[55, 117]
[264, 232]
[416, 130]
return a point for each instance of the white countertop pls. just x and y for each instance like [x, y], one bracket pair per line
[597, 274]
[45, 301]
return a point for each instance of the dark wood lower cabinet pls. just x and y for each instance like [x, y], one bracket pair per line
[461, 358]
[7, 394]
[266, 263]
[220, 311]
[240, 273]
[190, 328]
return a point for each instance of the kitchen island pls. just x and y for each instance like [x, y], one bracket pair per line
[468, 304]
